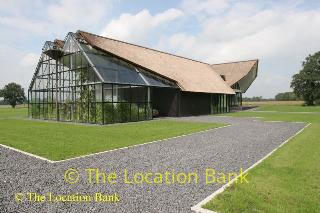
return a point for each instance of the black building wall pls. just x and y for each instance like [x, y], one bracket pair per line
[194, 103]
[175, 103]
[165, 100]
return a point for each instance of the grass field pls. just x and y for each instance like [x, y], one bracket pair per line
[287, 181]
[57, 141]
[8, 112]
[273, 103]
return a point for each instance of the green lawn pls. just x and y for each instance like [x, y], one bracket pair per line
[57, 141]
[280, 116]
[291, 108]
[287, 181]
[8, 112]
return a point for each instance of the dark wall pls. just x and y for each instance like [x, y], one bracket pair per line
[194, 103]
[165, 100]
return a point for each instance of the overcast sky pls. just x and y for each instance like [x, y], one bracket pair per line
[279, 33]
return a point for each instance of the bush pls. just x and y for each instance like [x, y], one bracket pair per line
[134, 112]
[286, 96]
[35, 110]
[142, 111]
[122, 112]
[99, 113]
[108, 112]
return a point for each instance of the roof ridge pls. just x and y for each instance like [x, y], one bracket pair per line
[233, 62]
[148, 48]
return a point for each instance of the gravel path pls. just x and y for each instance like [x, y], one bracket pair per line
[226, 150]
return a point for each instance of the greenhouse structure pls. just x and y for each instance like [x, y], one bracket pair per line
[93, 79]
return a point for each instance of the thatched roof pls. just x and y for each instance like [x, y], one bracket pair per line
[189, 75]
[234, 71]
[59, 43]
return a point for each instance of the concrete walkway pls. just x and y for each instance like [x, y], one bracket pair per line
[226, 150]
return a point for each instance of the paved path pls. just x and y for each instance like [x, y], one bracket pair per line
[226, 149]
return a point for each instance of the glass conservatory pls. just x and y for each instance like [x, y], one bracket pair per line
[75, 82]
[89, 78]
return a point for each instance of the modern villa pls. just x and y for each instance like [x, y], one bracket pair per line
[93, 79]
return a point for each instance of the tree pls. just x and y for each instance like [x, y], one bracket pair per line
[286, 96]
[13, 94]
[254, 98]
[306, 84]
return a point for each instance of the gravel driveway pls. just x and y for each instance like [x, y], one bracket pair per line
[225, 149]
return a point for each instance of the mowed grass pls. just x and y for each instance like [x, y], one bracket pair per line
[287, 181]
[291, 108]
[8, 112]
[58, 141]
[273, 103]
[280, 116]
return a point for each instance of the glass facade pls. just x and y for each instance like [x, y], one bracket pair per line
[220, 103]
[77, 84]
[236, 100]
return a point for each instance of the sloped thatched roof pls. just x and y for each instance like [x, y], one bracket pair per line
[189, 75]
[59, 43]
[234, 71]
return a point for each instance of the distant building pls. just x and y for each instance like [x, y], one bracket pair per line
[93, 79]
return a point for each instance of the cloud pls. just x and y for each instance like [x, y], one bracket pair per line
[26, 25]
[78, 12]
[16, 66]
[46, 18]
[136, 27]
[211, 7]
[29, 60]
[278, 35]
[21, 23]
[239, 35]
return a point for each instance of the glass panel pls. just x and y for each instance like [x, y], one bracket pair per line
[121, 112]
[134, 112]
[99, 115]
[108, 112]
[120, 76]
[142, 111]
[92, 77]
[149, 111]
[152, 81]
[139, 93]
[114, 70]
[70, 45]
[121, 93]
[98, 93]
[107, 92]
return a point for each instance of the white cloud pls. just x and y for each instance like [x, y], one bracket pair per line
[279, 36]
[29, 60]
[210, 7]
[26, 25]
[78, 12]
[17, 7]
[136, 27]
[21, 23]
[16, 66]
[56, 17]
